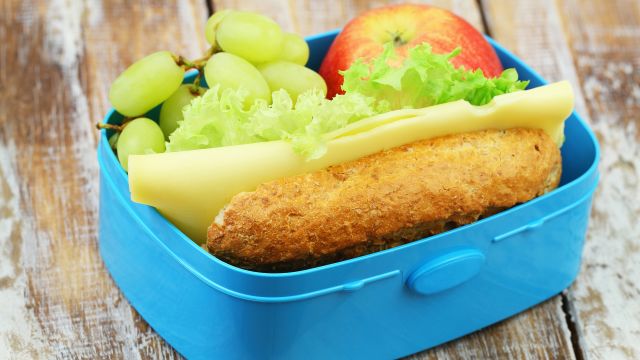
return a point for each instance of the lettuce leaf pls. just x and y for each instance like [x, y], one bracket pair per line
[219, 118]
[425, 79]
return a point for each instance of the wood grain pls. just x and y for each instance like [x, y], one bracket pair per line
[57, 59]
[596, 45]
[540, 333]
[56, 62]
[308, 17]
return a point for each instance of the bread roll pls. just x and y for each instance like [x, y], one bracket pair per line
[383, 200]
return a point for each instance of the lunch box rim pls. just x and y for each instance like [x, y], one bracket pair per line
[104, 141]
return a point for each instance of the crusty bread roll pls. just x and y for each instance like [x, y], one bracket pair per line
[383, 200]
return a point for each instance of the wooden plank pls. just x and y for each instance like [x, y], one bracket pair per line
[538, 38]
[308, 17]
[600, 42]
[57, 59]
[539, 333]
[534, 334]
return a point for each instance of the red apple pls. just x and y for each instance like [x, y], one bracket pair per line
[407, 25]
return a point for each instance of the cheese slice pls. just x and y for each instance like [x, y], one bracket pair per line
[189, 188]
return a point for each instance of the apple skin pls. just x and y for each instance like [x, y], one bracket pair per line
[407, 25]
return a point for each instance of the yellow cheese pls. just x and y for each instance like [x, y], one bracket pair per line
[191, 187]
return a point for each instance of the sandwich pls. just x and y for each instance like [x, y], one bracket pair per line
[380, 182]
[383, 200]
[409, 150]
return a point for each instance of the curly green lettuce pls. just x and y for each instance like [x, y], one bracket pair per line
[219, 118]
[425, 79]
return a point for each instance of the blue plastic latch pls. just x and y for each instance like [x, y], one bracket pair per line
[446, 271]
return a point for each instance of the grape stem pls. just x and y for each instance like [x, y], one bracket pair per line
[197, 64]
[195, 88]
[207, 55]
[116, 128]
[182, 61]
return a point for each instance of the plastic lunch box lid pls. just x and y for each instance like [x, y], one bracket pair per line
[218, 274]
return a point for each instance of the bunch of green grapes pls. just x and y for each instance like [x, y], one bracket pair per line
[248, 51]
[256, 47]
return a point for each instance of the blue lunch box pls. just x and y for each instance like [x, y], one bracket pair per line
[383, 305]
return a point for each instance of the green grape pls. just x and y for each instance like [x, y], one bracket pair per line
[140, 136]
[294, 78]
[254, 37]
[113, 140]
[233, 72]
[145, 84]
[295, 49]
[171, 111]
[212, 25]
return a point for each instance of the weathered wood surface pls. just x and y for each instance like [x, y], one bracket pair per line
[310, 16]
[57, 59]
[596, 45]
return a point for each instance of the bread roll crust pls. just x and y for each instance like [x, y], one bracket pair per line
[384, 200]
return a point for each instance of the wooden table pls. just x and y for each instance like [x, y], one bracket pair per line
[58, 57]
